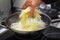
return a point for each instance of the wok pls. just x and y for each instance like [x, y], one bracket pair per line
[15, 18]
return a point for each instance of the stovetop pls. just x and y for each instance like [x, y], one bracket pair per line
[39, 37]
[50, 33]
[16, 38]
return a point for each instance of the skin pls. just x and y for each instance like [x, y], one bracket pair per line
[33, 4]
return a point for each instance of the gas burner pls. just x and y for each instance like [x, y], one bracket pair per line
[29, 38]
[16, 37]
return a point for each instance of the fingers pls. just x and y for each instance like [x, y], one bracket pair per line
[33, 4]
[24, 6]
[27, 3]
[32, 11]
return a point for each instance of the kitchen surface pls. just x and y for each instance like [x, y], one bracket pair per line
[10, 7]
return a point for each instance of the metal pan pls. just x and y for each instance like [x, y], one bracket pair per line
[14, 18]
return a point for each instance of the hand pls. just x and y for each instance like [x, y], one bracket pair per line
[33, 4]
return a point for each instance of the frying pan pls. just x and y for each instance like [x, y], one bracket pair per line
[15, 18]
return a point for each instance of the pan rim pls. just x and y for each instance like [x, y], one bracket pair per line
[26, 31]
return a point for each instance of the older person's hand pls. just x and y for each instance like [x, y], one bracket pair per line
[33, 4]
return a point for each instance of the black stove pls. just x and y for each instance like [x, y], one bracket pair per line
[14, 37]
[31, 36]
[40, 37]
[50, 33]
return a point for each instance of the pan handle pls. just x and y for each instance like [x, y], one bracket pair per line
[55, 20]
